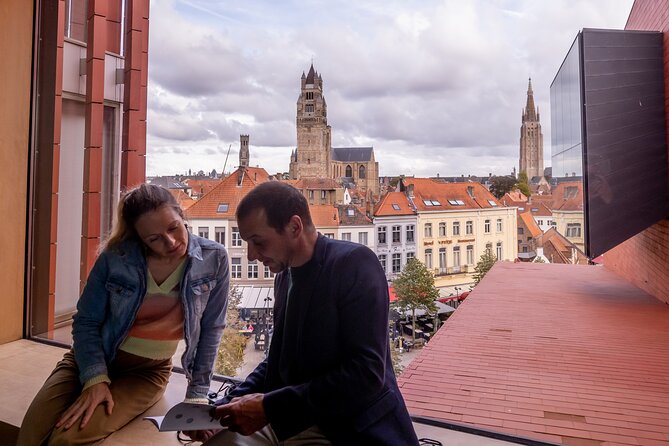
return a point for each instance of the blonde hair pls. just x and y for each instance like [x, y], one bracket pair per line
[132, 205]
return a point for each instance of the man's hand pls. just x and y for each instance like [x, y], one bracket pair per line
[201, 435]
[84, 406]
[244, 415]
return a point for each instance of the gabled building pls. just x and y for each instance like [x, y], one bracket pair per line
[567, 210]
[557, 248]
[528, 231]
[355, 226]
[319, 191]
[395, 225]
[456, 223]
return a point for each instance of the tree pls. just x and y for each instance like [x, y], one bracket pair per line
[415, 289]
[499, 185]
[523, 184]
[486, 262]
[231, 349]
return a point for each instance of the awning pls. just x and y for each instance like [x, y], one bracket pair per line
[256, 297]
[441, 309]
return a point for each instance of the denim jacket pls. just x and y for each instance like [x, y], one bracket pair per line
[115, 290]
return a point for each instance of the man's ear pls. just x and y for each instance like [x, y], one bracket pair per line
[295, 226]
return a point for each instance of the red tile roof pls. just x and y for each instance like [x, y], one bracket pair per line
[430, 190]
[324, 215]
[227, 192]
[564, 353]
[558, 249]
[182, 198]
[530, 224]
[568, 196]
[392, 200]
[200, 187]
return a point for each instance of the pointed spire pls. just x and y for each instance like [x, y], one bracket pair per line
[530, 111]
[311, 75]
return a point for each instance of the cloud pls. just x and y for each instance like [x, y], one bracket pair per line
[434, 86]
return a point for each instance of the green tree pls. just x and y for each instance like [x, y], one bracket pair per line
[231, 349]
[499, 185]
[486, 262]
[523, 184]
[415, 289]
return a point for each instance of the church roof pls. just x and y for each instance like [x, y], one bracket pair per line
[311, 75]
[353, 154]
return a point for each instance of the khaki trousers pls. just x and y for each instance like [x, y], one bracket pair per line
[136, 384]
[266, 437]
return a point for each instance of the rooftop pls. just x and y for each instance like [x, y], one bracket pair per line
[569, 354]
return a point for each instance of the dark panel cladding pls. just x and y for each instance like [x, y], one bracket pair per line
[625, 151]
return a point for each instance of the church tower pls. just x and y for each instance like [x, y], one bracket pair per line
[244, 151]
[531, 139]
[311, 158]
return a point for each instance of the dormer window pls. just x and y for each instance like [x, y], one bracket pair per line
[222, 207]
[396, 206]
[350, 212]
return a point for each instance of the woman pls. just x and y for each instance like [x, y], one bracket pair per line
[152, 285]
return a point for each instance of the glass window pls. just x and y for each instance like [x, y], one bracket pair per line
[268, 274]
[410, 230]
[396, 206]
[382, 260]
[236, 237]
[311, 194]
[397, 262]
[488, 248]
[456, 256]
[222, 207]
[324, 194]
[361, 172]
[442, 229]
[428, 229]
[75, 19]
[573, 230]
[362, 238]
[469, 227]
[521, 231]
[346, 236]
[253, 270]
[219, 234]
[499, 250]
[397, 234]
[428, 258]
[442, 260]
[499, 225]
[470, 254]
[486, 227]
[381, 235]
[203, 231]
[410, 255]
[456, 228]
[236, 271]
[329, 235]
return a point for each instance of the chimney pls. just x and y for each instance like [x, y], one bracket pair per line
[410, 191]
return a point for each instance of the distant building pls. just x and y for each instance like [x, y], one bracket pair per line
[531, 139]
[314, 156]
[395, 224]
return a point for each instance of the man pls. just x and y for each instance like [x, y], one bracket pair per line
[328, 377]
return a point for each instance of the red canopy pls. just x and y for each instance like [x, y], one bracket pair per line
[391, 293]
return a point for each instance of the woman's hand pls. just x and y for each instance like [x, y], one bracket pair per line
[201, 435]
[84, 406]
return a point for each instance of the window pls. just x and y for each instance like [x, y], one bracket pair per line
[442, 260]
[397, 234]
[428, 258]
[410, 255]
[329, 235]
[470, 254]
[397, 262]
[309, 108]
[268, 274]
[346, 236]
[236, 272]
[396, 206]
[382, 260]
[499, 225]
[253, 270]
[203, 231]
[311, 194]
[488, 248]
[350, 212]
[540, 222]
[310, 95]
[428, 229]
[525, 248]
[492, 203]
[469, 227]
[324, 194]
[486, 227]
[219, 235]
[349, 172]
[362, 238]
[521, 231]
[381, 235]
[442, 229]
[222, 207]
[236, 237]
[361, 172]
[573, 230]
[499, 250]
[456, 202]
[456, 256]
[410, 230]
[456, 228]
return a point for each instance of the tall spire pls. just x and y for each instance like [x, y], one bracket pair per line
[530, 113]
[311, 75]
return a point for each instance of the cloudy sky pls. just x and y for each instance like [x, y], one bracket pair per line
[436, 87]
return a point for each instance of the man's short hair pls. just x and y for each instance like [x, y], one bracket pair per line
[280, 201]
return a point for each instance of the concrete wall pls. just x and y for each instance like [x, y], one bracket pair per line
[644, 259]
[16, 35]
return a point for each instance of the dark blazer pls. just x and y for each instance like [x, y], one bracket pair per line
[340, 373]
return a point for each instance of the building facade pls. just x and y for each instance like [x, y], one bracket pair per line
[395, 224]
[531, 139]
